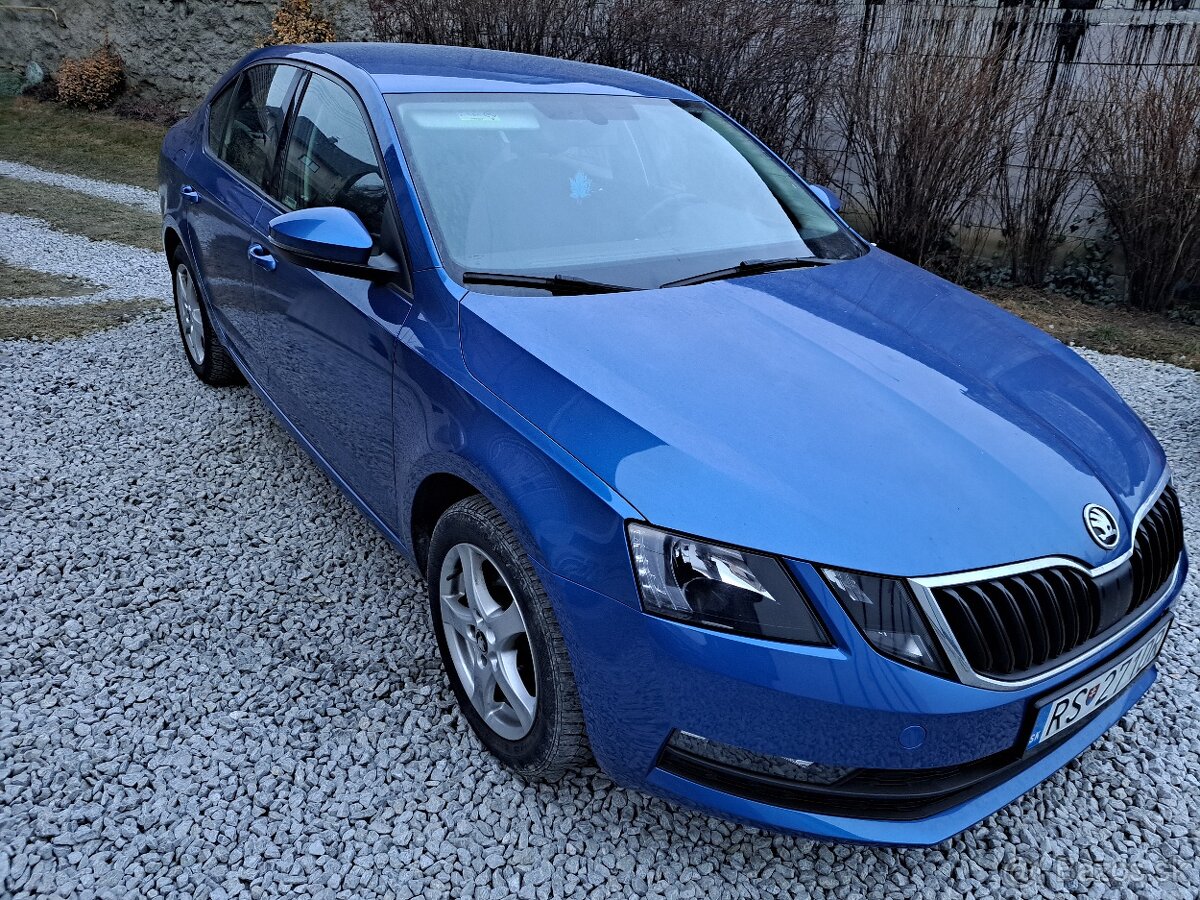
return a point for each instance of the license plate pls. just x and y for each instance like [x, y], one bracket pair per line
[1077, 703]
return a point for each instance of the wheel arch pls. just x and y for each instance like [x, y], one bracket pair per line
[436, 493]
[171, 241]
[563, 526]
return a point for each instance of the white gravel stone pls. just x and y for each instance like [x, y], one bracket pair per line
[217, 680]
[141, 198]
[124, 272]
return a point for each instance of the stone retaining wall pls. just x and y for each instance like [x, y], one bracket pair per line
[172, 49]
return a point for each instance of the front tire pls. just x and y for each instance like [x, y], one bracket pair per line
[207, 356]
[501, 646]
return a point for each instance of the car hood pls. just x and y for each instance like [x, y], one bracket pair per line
[866, 414]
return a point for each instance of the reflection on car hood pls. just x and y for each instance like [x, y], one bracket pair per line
[866, 414]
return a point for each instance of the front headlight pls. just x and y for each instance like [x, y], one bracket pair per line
[720, 587]
[886, 614]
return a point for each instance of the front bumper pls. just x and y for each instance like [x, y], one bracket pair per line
[642, 679]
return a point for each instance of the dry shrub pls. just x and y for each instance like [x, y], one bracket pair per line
[92, 82]
[562, 28]
[148, 108]
[926, 122]
[1038, 192]
[766, 62]
[296, 23]
[1143, 156]
[43, 92]
[929, 115]
[769, 63]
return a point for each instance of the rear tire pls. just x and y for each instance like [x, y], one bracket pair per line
[205, 354]
[501, 645]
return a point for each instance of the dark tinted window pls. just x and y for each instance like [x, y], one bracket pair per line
[331, 159]
[245, 120]
[218, 118]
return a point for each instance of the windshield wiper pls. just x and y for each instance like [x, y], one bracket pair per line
[753, 267]
[555, 284]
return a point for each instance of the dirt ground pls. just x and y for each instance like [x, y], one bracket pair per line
[56, 323]
[1108, 328]
[16, 283]
[71, 211]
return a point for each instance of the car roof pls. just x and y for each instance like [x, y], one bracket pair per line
[426, 68]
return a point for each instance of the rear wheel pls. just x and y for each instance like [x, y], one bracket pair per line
[207, 356]
[501, 645]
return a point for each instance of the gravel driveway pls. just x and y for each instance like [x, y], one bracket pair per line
[216, 680]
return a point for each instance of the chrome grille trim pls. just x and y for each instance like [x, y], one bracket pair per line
[923, 590]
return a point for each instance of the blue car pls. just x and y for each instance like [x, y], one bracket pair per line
[705, 487]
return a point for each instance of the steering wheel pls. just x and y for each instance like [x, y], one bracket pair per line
[346, 195]
[661, 206]
[351, 183]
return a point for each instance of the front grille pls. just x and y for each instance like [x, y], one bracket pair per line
[1156, 548]
[1013, 626]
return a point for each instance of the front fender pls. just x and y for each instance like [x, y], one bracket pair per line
[564, 517]
[567, 519]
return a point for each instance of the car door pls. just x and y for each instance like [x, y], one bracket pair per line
[332, 337]
[226, 193]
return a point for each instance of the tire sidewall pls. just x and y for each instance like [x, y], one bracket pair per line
[537, 749]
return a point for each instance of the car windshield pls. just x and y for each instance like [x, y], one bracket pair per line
[619, 190]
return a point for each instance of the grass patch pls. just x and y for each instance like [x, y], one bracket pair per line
[16, 283]
[71, 211]
[1107, 328]
[95, 145]
[57, 323]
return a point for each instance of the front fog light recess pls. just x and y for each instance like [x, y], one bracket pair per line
[886, 614]
[796, 771]
[720, 587]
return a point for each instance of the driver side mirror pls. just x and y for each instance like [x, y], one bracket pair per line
[329, 239]
[826, 196]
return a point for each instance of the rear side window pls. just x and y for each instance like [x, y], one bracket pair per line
[218, 118]
[330, 159]
[246, 119]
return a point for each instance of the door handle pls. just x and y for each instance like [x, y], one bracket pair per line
[259, 255]
[190, 193]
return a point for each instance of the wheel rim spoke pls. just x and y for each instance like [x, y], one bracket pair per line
[475, 585]
[483, 691]
[523, 704]
[456, 617]
[506, 626]
[187, 307]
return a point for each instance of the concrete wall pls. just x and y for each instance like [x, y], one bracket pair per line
[172, 48]
[1115, 33]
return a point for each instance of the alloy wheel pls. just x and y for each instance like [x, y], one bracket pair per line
[488, 641]
[191, 319]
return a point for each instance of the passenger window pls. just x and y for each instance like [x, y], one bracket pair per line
[245, 121]
[331, 159]
[218, 118]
